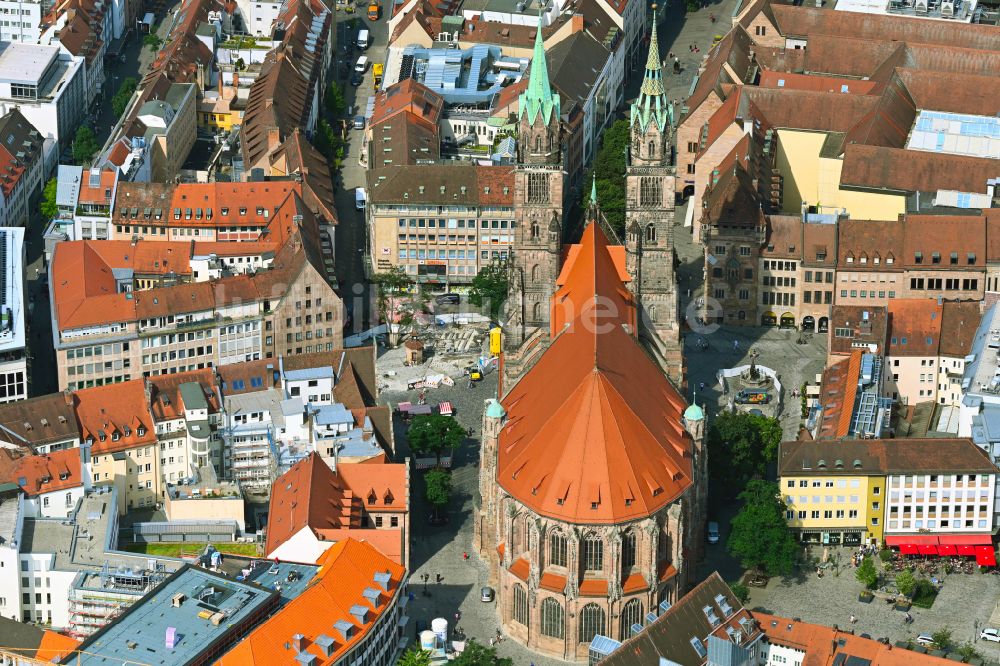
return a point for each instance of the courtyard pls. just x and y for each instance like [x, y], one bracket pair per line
[964, 604]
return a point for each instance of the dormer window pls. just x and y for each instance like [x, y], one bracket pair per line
[850, 257]
[115, 436]
[140, 431]
[101, 436]
[372, 497]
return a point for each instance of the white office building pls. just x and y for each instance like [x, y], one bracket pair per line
[46, 85]
[13, 314]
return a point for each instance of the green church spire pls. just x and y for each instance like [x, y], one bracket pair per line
[539, 96]
[652, 103]
[593, 191]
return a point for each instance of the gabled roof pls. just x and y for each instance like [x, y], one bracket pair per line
[49, 472]
[883, 456]
[914, 327]
[317, 184]
[354, 578]
[165, 393]
[736, 51]
[119, 412]
[882, 238]
[796, 21]
[901, 170]
[959, 322]
[311, 495]
[38, 421]
[278, 103]
[593, 430]
[954, 238]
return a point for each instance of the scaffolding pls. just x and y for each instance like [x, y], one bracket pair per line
[96, 598]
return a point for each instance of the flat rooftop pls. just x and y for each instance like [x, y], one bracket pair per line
[25, 63]
[956, 134]
[289, 579]
[8, 520]
[961, 11]
[213, 608]
[982, 375]
[81, 542]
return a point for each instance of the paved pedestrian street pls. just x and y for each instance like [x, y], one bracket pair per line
[964, 604]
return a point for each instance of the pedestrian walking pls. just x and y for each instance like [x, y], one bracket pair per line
[465, 556]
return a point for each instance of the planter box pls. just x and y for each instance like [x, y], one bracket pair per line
[902, 606]
[866, 597]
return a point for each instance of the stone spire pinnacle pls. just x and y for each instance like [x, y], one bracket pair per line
[652, 103]
[539, 96]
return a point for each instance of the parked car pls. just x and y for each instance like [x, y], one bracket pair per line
[486, 595]
[925, 640]
[713, 532]
[448, 299]
[989, 634]
[357, 79]
[361, 66]
[359, 122]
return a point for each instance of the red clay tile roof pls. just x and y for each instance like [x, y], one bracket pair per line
[807, 21]
[165, 392]
[55, 645]
[593, 431]
[592, 587]
[408, 96]
[871, 238]
[49, 472]
[888, 456]
[900, 170]
[520, 568]
[854, 318]
[551, 581]
[914, 327]
[312, 495]
[346, 579]
[826, 84]
[115, 409]
[960, 320]
[839, 388]
[963, 236]
[634, 583]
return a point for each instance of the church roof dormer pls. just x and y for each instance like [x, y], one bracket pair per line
[652, 104]
[539, 98]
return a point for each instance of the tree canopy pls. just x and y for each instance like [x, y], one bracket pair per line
[84, 145]
[433, 434]
[415, 656]
[334, 100]
[390, 285]
[609, 168]
[121, 99]
[477, 654]
[906, 582]
[489, 287]
[48, 206]
[740, 446]
[867, 574]
[759, 535]
[437, 490]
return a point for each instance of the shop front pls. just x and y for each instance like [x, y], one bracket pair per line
[979, 546]
[845, 537]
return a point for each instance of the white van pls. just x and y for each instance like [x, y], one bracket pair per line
[363, 39]
[361, 65]
[360, 198]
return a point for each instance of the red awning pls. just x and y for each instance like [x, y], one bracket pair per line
[966, 550]
[986, 556]
[917, 539]
[947, 549]
[927, 550]
[907, 549]
[967, 539]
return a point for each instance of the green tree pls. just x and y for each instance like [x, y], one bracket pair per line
[414, 657]
[433, 434]
[334, 100]
[740, 591]
[867, 574]
[48, 206]
[740, 446]
[437, 488]
[609, 169]
[152, 41]
[759, 536]
[477, 654]
[489, 287]
[390, 286]
[121, 99]
[84, 145]
[906, 582]
[942, 638]
[968, 651]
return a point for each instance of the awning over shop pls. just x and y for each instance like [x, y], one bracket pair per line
[966, 539]
[927, 550]
[986, 556]
[915, 539]
[966, 550]
[907, 549]
[947, 549]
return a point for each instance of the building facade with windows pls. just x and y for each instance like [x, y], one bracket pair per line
[440, 224]
[834, 491]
